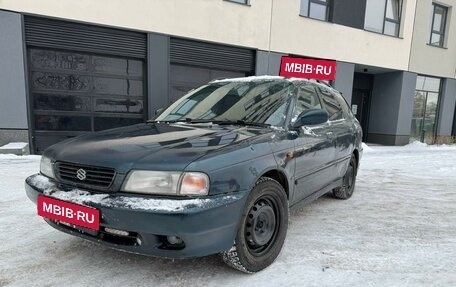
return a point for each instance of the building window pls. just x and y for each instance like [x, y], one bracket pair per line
[315, 9]
[245, 2]
[425, 107]
[438, 24]
[383, 16]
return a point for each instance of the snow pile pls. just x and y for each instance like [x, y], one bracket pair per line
[416, 145]
[398, 229]
[18, 158]
[14, 145]
[366, 148]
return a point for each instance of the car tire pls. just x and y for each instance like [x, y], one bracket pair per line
[262, 229]
[348, 181]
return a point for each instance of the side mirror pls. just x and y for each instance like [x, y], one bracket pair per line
[159, 111]
[311, 117]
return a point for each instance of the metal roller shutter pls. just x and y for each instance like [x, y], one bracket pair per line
[208, 55]
[43, 32]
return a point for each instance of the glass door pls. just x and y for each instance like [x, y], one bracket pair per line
[418, 116]
[424, 116]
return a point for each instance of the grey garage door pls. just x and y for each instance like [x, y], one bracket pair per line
[196, 63]
[82, 79]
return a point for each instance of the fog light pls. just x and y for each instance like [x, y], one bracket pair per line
[116, 231]
[174, 240]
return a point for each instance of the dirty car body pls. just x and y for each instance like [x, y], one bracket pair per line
[177, 186]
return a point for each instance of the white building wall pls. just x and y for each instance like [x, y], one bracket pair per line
[429, 60]
[270, 25]
[211, 20]
[303, 36]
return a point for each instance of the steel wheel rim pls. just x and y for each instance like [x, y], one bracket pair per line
[262, 225]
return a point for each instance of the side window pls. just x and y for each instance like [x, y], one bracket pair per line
[330, 104]
[307, 99]
[343, 103]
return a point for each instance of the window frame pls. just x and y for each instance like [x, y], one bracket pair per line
[387, 19]
[439, 99]
[328, 5]
[244, 2]
[322, 92]
[444, 23]
[294, 112]
[398, 21]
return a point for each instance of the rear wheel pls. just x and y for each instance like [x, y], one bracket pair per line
[262, 230]
[348, 182]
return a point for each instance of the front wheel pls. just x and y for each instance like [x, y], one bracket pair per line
[348, 182]
[263, 228]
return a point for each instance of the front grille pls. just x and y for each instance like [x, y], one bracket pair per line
[101, 177]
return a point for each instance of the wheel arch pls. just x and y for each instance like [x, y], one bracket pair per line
[356, 153]
[280, 177]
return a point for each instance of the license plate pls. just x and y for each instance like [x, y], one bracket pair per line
[63, 211]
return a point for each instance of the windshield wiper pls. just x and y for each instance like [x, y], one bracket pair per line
[218, 122]
[155, 121]
[240, 123]
[186, 120]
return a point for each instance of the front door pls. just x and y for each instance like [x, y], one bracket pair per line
[360, 108]
[314, 148]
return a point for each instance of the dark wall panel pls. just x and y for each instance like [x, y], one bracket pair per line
[208, 55]
[50, 33]
[349, 13]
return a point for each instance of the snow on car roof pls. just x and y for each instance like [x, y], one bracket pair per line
[270, 78]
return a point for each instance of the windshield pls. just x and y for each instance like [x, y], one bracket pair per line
[260, 102]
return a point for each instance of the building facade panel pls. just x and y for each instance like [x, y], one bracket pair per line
[447, 107]
[390, 104]
[208, 20]
[13, 107]
[308, 37]
[12, 74]
[344, 79]
[158, 71]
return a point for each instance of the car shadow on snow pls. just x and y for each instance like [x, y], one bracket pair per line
[117, 263]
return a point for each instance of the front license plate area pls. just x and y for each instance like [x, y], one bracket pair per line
[78, 228]
[67, 212]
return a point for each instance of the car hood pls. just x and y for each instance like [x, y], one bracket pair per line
[155, 146]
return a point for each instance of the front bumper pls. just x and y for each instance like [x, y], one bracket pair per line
[206, 225]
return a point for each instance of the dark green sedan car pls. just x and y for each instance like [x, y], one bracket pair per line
[215, 172]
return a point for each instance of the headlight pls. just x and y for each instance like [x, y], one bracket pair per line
[166, 182]
[46, 167]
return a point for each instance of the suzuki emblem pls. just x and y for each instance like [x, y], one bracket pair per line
[81, 174]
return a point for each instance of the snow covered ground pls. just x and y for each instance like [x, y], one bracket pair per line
[398, 229]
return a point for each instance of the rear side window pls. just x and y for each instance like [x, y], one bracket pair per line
[330, 104]
[343, 103]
